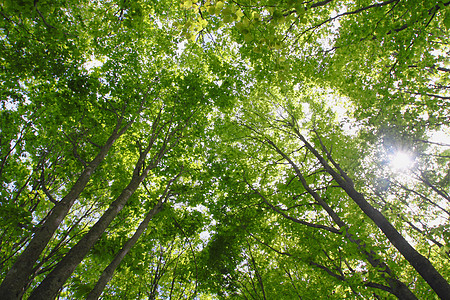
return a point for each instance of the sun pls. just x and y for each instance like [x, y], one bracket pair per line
[401, 161]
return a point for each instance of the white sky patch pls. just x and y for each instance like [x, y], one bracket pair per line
[327, 41]
[159, 23]
[200, 208]
[424, 115]
[335, 24]
[180, 47]
[307, 116]
[179, 205]
[440, 140]
[401, 161]
[441, 137]
[307, 111]
[343, 108]
[205, 235]
[93, 63]
[281, 112]
[8, 105]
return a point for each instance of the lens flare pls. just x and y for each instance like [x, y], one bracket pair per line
[401, 161]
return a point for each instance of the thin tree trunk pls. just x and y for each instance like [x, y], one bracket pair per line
[399, 289]
[258, 276]
[49, 287]
[17, 278]
[109, 270]
[422, 265]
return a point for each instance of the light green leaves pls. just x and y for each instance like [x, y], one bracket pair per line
[447, 20]
[249, 73]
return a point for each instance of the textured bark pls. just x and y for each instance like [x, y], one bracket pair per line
[109, 270]
[17, 278]
[54, 281]
[398, 288]
[49, 287]
[420, 263]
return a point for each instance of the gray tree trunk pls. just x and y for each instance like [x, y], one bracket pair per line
[53, 282]
[420, 263]
[109, 270]
[17, 278]
[398, 288]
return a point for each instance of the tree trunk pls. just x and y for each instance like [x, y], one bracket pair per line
[422, 265]
[398, 288]
[17, 278]
[53, 282]
[109, 270]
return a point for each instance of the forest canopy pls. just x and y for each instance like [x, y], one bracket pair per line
[249, 149]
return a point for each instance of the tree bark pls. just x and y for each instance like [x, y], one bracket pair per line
[109, 270]
[50, 286]
[17, 278]
[420, 263]
[398, 288]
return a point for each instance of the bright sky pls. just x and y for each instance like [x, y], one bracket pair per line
[401, 161]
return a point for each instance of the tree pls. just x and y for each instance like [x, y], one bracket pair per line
[103, 91]
[285, 118]
[271, 143]
[109, 271]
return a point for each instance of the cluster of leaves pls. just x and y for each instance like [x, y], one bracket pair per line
[224, 119]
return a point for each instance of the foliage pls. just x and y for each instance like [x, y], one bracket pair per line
[268, 114]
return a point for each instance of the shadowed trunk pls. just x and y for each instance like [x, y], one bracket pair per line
[49, 287]
[398, 288]
[17, 278]
[420, 263]
[109, 270]
[54, 281]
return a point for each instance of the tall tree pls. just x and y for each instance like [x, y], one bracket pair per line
[109, 271]
[286, 116]
[270, 129]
